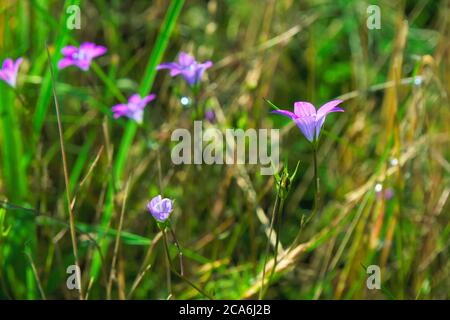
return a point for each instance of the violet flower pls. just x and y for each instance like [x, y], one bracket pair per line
[160, 208]
[308, 119]
[80, 57]
[186, 66]
[9, 70]
[210, 115]
[387, 194]
[134, 109]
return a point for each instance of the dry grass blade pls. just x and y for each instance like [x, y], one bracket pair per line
[36, 275]
[112, 273]
[66, 173]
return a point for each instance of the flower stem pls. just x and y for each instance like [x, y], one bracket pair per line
[197, 113]
[180, 252]
[277, 241]
[168, 263]
[276, 208]
[316, 199]
[316, 182]
[181, 276]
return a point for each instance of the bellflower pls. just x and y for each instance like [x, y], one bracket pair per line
[80, 57]
[9, 70]
[134, 109]
[186, 66]
[160, 208]
[309, 120]
[210, 115]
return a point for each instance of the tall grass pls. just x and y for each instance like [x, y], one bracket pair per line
[393, 137]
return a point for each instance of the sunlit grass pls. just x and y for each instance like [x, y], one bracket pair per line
[393, 136]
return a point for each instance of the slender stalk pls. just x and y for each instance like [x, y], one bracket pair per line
[168, 264]
[66, 174]
[182, 277]
[197, 109]
[316, 199]
[275, 259]
[316, 180]
[180, 252]
[272, 220]
[36, 276]
[116, 245]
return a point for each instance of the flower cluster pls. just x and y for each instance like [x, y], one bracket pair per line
[82, 57]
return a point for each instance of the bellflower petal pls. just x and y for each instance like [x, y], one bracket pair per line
[186, 59]
[324, 110]
[92, 50]
[307, 126]
[302, 108]
[160, 208]
[69, 50]
[9, 70]
[134, 109]
[286, 113]
[65, 62]
[186, 66]
[309, 120]
[80, 57]
[329, 107]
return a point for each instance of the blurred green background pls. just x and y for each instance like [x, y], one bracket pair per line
[393, 135]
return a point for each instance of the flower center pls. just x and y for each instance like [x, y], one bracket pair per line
[79, 55]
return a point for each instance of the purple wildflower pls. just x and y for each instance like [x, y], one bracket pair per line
[210, 115]
[80, 57]
[191, 70]
[308, 119]
[160, 208]
[9, 70]
[387, 194]
[134, 109]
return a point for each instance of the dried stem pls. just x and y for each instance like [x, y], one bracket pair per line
[66, 174]
[116, 245]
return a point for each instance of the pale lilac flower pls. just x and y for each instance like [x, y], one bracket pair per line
[308, 119]
[134, 109]
[387, 194]
[186, 66]
[210, 115]
[9, 70]
[80, 57]
[160, 208]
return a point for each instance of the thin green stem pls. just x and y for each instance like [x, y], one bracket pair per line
[277, 241]
[168, 263]
[172, 269]
[274, 213]
[180, 252]
[66, 173]
[316, 181]
[316, 199]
